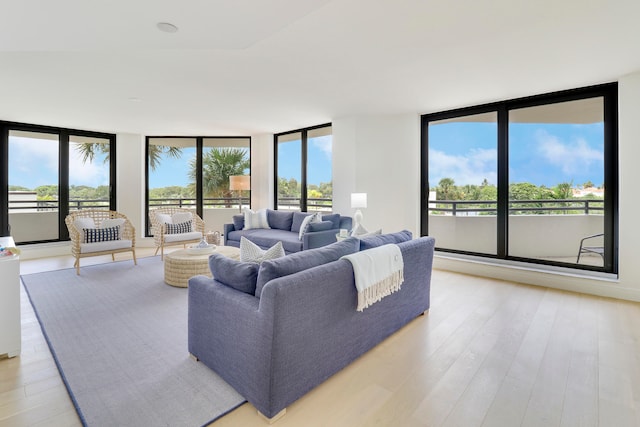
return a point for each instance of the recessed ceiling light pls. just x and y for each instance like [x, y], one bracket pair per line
[167, 27]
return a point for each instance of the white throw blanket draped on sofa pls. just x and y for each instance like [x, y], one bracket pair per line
[378, 272]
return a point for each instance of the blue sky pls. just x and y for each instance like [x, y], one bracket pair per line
[543, 154]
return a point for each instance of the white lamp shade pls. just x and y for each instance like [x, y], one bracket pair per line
[240, 182]
[358, 200]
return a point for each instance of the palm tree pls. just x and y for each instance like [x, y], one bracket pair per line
[88, 151]
[217, 165]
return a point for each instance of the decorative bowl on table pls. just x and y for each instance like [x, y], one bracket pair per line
[201, 248]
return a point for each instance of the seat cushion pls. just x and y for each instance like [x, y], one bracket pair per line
[298, 218]
[179, 237]
[110, 245]
[294, 263]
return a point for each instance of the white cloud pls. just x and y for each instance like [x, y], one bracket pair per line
[571, 157]
[91, 174]
[324, 144]
[472, 168]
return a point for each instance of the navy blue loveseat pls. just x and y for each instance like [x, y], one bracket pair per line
[285, 228]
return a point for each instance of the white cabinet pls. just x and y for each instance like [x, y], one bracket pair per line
[10, 339]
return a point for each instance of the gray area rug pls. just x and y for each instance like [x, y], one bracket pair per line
[118, 334]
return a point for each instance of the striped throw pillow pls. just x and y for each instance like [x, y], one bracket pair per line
[183, 227]
[255, 219]
[94, 235]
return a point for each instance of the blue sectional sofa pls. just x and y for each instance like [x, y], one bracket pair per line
[300, 325]
[285, 227]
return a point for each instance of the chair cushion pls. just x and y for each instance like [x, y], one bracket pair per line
[180, 237]
[250, 252]
[236, 274]
[279, 219]
[179, 228]
[384, 239]
[94, 235]
[109, 245]
[299, 261]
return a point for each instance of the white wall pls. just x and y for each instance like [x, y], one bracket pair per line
[380, 156]
[130, 163]
[262, 185]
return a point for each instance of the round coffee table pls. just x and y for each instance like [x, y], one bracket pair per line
[181, 265]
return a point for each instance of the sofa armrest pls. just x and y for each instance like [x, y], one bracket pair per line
[317, 239]
[228, 333]
[228, 228]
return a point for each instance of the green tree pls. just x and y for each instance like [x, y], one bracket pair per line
[217, 165]
[88, 151]
[446, 189]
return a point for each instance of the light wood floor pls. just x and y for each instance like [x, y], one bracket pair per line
[489, 353]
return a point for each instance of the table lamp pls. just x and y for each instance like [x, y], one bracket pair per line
[239, 183]
[358, 200]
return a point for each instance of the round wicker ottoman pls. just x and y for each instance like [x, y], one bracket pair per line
[181, 265]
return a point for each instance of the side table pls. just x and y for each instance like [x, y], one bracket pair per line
[181, 265]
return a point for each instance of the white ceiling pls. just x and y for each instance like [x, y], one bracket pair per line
[246, 67]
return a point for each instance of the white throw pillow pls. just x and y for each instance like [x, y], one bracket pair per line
[164, 218]
[250, 252]
[255, 219]
[115, 222]
[359, 231]
[81, 223]
[180, 217]
[308, 220]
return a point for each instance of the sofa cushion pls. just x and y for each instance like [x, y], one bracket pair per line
[320, 226]
[384, 239]
[334, 218]
[299, 261]
[250, 252]
[279, 219]
[298, 217]
[304, 227]
[239, 275]
[238, 222]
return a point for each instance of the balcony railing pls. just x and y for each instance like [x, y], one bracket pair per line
[518, 207]
[313, 203]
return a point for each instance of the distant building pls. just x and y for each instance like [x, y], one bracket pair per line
[583, 192]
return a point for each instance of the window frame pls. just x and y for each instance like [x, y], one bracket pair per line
[199, 196]
[303, 163]
[64, 135]
[609, 93]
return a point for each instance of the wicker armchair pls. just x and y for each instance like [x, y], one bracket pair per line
[159, 229]
[98, 244]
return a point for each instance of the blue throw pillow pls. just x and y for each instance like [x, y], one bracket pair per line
[279, 219]
[334, 218]
[303, 260]
[385, 239]
[298, 217]
[238, 222]
[235, 274]
[320, 226]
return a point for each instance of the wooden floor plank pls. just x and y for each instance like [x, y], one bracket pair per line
[489, 353]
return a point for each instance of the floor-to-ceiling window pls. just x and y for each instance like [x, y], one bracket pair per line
[193, 172]
[532, 179]
[49, 172]
[304, 169]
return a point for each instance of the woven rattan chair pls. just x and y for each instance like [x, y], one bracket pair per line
[159, 229]
[124, 241]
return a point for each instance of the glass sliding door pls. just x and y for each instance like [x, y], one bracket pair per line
[319, 169]
[89, 172]
[289, 171]
[222, 158]
[556, 180]
[171, 165]
[463, 192]
[34, 186]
